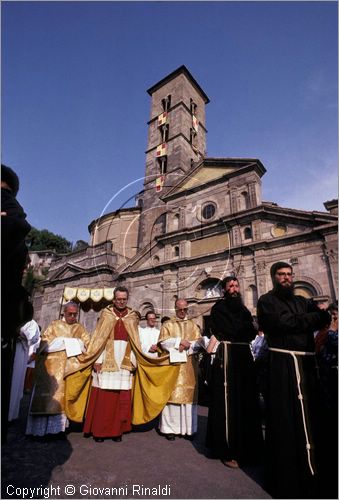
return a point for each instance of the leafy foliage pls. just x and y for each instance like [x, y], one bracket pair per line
[31, 279]
[28, 281]
[45, 240]
[79, 245]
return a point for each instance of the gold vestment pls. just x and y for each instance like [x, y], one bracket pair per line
[186, 387]
[153, 381]
[49, 387]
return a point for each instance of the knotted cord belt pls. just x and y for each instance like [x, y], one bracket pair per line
[294, 355]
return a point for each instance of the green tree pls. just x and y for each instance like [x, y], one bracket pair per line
[79, 245]
[29, 280]
[45, 240]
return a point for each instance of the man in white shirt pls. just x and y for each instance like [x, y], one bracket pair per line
[149, 335]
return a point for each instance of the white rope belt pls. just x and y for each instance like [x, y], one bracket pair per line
[294, 355]
[225, 385]
[286, 351]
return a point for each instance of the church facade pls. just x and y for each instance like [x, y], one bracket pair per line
[197, 220]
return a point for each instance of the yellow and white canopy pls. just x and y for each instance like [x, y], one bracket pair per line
[84, 294]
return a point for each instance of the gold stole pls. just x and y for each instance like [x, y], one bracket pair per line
[185, 390]
[49, 388]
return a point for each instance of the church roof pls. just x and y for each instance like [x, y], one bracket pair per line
[181, 70]
[110, 215]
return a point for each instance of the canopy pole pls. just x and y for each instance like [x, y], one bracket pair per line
[61, 302]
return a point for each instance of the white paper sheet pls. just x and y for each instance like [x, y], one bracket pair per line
[176, 356]
[72, 347]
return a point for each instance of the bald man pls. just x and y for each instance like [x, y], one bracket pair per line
[179, 336]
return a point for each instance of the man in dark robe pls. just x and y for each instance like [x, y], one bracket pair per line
[293, 417]
[234, 425]
[15, 306]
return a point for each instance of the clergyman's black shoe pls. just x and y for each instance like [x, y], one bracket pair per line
[170, 437]
[117, 439]
[189, 437]
[99, 440]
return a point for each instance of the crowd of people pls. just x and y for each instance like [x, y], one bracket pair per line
[123, 376]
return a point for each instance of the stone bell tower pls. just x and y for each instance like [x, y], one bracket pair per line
[176, 143]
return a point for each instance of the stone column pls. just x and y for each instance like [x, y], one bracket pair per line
[234, 202]
[252, 195]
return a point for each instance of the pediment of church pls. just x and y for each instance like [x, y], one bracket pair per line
[66, 271]
[203, 176]
[213, 169]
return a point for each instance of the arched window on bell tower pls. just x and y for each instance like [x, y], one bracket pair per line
[193, 107]
[193, 137]
[162, 165]
[166, 103]
[164, 132]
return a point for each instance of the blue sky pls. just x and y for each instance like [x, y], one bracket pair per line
[75, 106]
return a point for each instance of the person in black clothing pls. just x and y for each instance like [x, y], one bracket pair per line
[15, 305]
[326, 348]
[294, 420]
[234, 426]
